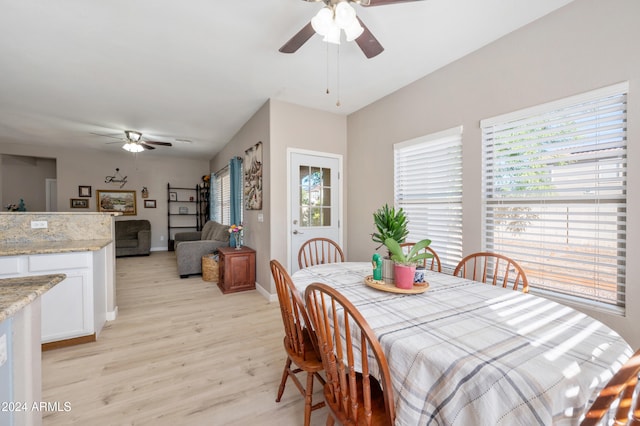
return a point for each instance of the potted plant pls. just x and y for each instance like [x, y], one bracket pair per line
[389, 223]
[405, 263]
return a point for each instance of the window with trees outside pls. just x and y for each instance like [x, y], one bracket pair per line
[428, 186]
[554, 194]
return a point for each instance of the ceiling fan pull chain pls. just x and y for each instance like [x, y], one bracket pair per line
[338, 76]
[327, 57]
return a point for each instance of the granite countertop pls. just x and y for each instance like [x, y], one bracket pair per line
[48, 247]
[16, 293]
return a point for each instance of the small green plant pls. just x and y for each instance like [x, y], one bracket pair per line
[413, 257]
[389, 224]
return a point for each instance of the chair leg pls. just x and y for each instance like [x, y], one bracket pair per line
[307, 399]
[285, 374]
[330, 420]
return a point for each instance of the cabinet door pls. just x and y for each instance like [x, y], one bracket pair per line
[67, 309]
[240, 271]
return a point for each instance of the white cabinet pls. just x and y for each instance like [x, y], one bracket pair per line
[75, 307]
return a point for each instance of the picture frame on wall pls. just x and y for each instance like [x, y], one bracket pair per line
[84, 191]
[253, 177]
[116, 201]
[79, 203]
[149, 204]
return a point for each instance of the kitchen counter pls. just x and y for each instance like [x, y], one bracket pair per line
[21, 366]
[48, 247]
[16, 293]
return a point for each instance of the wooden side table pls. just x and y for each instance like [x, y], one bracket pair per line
[237, 269]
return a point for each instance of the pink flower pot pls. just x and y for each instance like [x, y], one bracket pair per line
[404, 276]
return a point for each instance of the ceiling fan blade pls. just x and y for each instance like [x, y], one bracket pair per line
[367, 3]
[158, 143]
[298, 40]
[145, 146]
[369, 45]
[109, 135]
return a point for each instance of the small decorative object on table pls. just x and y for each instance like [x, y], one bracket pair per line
[235, 231]
[377, 266]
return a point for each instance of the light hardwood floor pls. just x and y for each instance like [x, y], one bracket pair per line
[179, 353]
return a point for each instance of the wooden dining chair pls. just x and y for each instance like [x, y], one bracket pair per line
[620, 388]
[433, 263]
[319, 250]
[492, 268]
[299, 340]
[347, 346]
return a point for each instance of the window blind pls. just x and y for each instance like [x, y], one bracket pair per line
[428, 186]
[222, 196]
[554, 194]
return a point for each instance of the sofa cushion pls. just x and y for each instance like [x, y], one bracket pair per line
[126, 243]
[215, 231]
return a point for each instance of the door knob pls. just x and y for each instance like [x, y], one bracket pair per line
[296, 232]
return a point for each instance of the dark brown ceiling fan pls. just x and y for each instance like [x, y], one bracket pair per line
[369, 45]
[133, 139]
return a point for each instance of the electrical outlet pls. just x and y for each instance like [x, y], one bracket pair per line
[260, 217]
[38, 224]
[3, 349]
[161, 237]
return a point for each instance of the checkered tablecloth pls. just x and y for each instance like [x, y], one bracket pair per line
[466, 353]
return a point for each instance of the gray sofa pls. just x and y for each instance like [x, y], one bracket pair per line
[133, 238]
[191, 246]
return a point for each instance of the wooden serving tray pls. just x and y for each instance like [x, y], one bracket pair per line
[381, 285]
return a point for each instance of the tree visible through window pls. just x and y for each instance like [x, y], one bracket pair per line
[554, 194]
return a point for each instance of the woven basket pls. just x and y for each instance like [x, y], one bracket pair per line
[209, 268]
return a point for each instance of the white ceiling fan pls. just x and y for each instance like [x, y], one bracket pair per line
[134, 141]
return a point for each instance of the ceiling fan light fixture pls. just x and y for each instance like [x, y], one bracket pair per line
[132, 147]
[345, 15]
[322, 21]
[333, 35]
[353, 31]
[132, 135]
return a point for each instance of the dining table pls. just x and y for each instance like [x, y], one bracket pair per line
[469, 353]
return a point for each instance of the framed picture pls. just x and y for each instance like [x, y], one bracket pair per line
[116, 201]
[79, 203]
[84, 191]
[173, 196]
[253, 177]
[149, 204]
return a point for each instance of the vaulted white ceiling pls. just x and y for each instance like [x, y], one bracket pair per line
[198, 70]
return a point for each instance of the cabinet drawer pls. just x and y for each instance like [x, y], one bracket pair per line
[9, 265]
[49, 262]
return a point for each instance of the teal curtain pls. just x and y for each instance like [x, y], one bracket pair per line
[235, 184]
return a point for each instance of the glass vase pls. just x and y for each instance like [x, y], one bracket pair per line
[238, 239]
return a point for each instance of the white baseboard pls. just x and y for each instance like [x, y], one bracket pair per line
[112, 315]
[270, 297]
[158, 249]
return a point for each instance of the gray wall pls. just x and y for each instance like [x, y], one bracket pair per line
[280, 126]
[583, 46]
[89, 167]
[24, 177]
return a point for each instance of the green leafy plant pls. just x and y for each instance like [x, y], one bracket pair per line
[390, 223]
[413, 257]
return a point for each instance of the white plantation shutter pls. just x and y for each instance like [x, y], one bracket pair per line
[554, 194]
[428, 186]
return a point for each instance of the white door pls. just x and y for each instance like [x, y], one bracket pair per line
[51, 195]
[315, 188]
